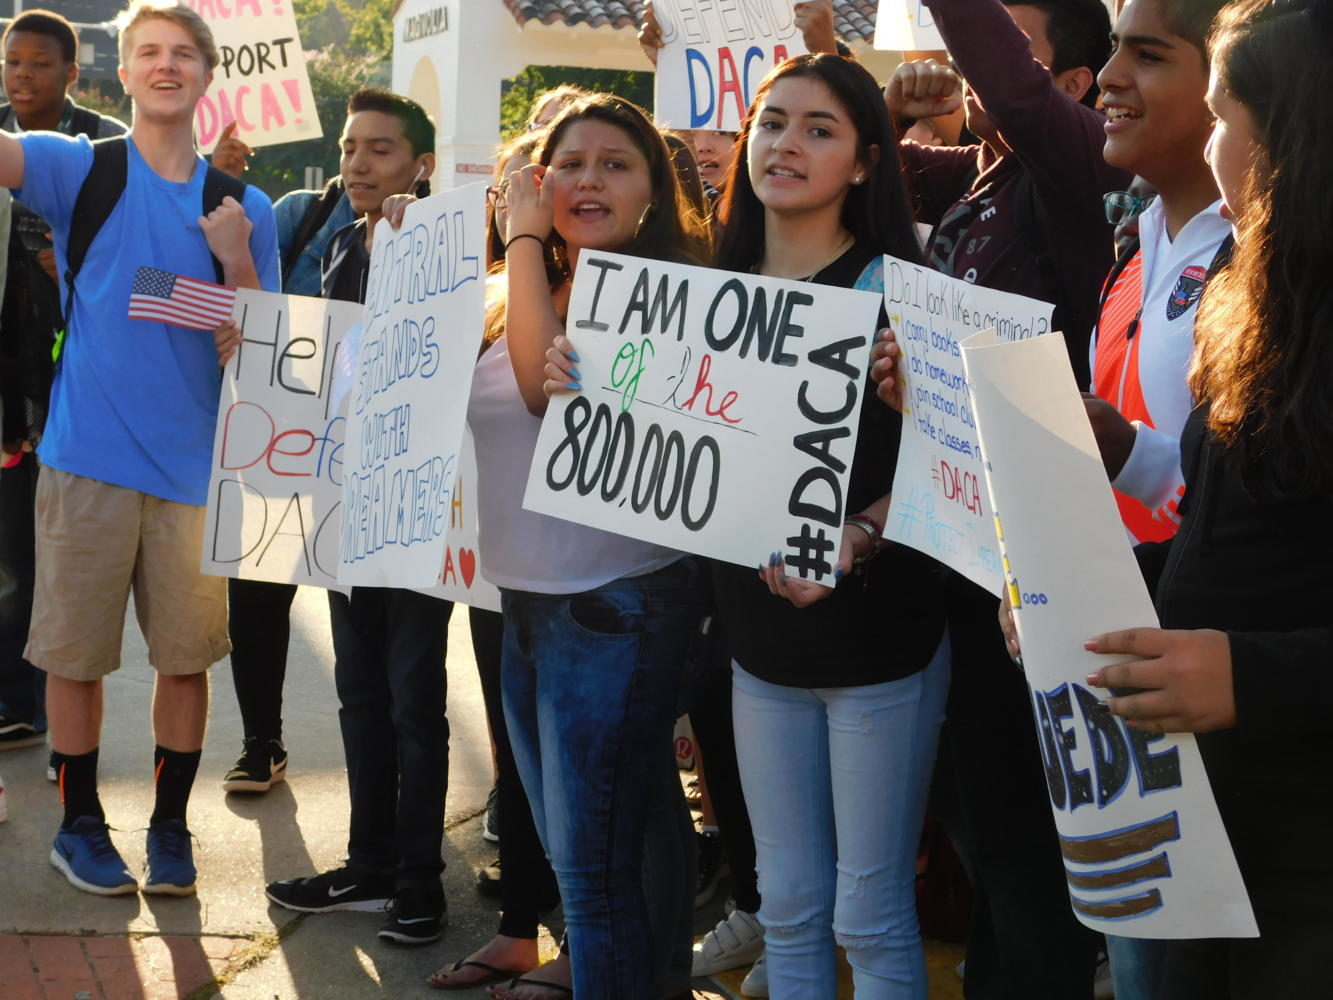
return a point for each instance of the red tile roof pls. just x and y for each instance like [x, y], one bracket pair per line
[853, 20]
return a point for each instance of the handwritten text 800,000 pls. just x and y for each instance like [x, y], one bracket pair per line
[606, 452]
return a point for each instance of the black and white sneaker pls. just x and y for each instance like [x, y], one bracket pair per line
[344, 888]
[490, 825]
[15, 733]
[713, 867]
[261, 765]
[416, 916]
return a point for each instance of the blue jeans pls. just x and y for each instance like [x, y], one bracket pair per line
[591, 682]
[836, 780]
[1137, 966]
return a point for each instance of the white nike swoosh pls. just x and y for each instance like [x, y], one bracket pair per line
[417, 920]
[335, 893]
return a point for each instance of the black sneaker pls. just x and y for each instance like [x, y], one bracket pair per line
[344, 888]
[15, 734]
[416, 916]
[712, 866]
[490, 826]
[261, 765]
[51, 768]
[488, 880]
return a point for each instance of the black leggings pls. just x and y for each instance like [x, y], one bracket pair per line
[259, 622]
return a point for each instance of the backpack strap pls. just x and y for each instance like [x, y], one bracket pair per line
[316, 214]
[219, 185]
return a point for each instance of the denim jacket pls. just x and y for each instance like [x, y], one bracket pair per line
[290, 209]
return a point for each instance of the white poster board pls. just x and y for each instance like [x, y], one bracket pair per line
[940, 506]
[460, 578]
[719, 411]
[906, 25]
[422, 329]
[1144, 848]
[714, 56]
[276, 484]
[261, 81]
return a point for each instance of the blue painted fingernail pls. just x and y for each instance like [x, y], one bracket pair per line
[572, 356]
[574, 374]
[839, 573]
[576, 386]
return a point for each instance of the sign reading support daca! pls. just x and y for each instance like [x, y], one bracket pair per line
[719, 412]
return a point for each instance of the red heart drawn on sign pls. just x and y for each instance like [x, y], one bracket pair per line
[467, 564]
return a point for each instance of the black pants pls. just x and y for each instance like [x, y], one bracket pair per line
[528, 884]
[259, 623]
[389, 648]
[22, 686]
[711, 719]
[1024, 941]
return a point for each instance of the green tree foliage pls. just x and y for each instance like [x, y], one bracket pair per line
[522, 90]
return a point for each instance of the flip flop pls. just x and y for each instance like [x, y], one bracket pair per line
[493, 975]
[544, 984]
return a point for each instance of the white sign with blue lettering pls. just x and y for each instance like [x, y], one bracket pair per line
[422, 324]
[1144, 849]
[939, 494]
[715, 54]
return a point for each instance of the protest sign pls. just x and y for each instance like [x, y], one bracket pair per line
[906, 25]
[460, 579]
[714, 56]
[261, 81]
[421, 329]
[1144, 848]
[719, 411]
[276, 486]
[939, 496]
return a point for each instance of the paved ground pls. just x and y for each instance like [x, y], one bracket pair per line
[60, 944]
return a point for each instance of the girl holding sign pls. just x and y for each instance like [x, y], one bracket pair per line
[1245, 587]
[597, 626]
[836, 737]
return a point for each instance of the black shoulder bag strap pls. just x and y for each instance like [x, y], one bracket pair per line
[219, 185]
[316, 214]
[85, 122]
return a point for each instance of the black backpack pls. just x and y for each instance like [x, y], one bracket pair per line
[31, 324]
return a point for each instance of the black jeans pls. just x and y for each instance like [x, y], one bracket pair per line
[259, 623]
[528, 884]
[389, 648]
[22, 686]
[1024, 941]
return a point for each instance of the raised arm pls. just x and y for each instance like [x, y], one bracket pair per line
[531, 321]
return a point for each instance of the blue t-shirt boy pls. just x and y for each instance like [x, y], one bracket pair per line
[134, 403]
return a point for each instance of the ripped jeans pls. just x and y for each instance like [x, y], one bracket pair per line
[836, 780]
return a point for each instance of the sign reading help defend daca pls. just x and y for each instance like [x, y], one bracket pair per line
[1145, 852]
[261, 82]
[276, 486]
[719, 411]
[940, 505]
[422, 327]
[715, 54]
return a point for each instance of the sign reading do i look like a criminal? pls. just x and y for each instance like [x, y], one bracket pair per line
[940, 505]
[719, 413]
[714, 56]
[1143, 846]
[422, 325]
[261, 82]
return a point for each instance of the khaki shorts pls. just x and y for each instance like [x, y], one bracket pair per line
[96, 542]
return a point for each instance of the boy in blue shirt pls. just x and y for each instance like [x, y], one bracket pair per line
[120, 501]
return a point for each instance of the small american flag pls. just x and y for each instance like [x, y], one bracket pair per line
[163, 297]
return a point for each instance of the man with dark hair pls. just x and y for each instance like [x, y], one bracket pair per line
[40, 64]
[388, 644]
[1021, 212]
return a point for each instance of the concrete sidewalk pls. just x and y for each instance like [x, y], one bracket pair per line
[57, 943]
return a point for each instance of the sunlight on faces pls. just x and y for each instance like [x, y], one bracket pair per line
[1235, 148]
[165, 73]
[600, 185]
[803, 151]
[377, 160]
[35, 73]
[1153, 87]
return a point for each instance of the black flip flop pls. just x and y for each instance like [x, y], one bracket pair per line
[494, 976]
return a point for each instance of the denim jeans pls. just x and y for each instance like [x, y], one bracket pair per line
[389, 648]
[836, 780]
[1137, 966]
[22, 686]
[591, 682]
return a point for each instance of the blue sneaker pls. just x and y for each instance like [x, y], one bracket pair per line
[84, 854]
[170, 870]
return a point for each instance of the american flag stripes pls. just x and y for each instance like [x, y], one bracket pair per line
[162, 297]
